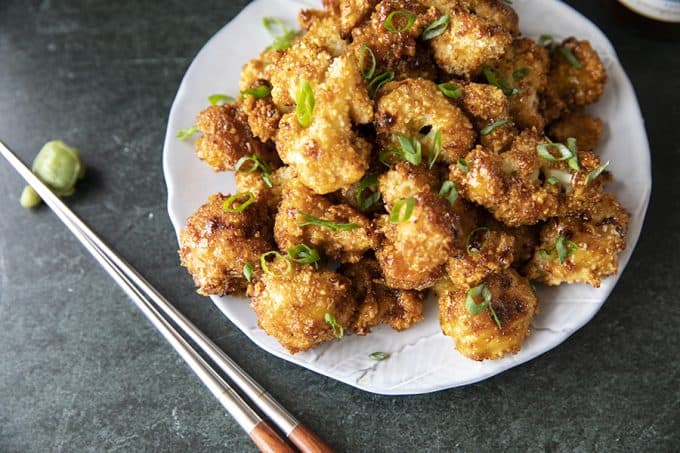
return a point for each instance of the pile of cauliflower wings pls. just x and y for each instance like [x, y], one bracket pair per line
[397, 147]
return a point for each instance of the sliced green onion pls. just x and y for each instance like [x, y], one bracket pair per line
[595, 173]
[369, 71]
[571, 58]
[304, 98]
[405, 205]
[410, 149]
[183, 134]
[463, 165]
[230, 205]
[543, 150]
[474, 308]
[476, 240]
[378, 81]
[491, 127]
[552, 180]
[499, 81]
[311, 220]
[220, 99]
[520, 73]
[248, 272]
[276, 255]
[282, 34]
[449, 191]
[338, 330]
[436, 148]
[256, 164]
[407, 15]
[564, 248]
[303, 254]
[436, 28]
[368, 202]
[378, 356]
[546, 40]
[573, 162]
[450, 90]
[258, 92]
[544, 254]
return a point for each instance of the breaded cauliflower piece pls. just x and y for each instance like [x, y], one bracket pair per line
[408, 106]
[344, 246]
[486, 251]
[412, 254]
[252, 182]
[263, 116]
[525, 67]
[487, 104]
[496, 11]
[584, 128]
[259, 69]
[227, 137]
[215, 244]
[293, 306]
[578, 83]
[328, 154]
[591, 241]
[350, 13]
[478, 337]
[378, 303]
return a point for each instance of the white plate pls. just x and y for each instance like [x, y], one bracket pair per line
[422, 358]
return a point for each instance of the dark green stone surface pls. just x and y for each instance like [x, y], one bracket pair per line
[82, 370]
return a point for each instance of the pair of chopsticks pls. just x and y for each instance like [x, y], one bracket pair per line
[163, 315]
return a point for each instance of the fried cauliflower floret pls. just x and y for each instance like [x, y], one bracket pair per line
[328, 155]
[486, 251]
[293, 306]
[215, 244]
[470, 43]
[580, 84]
[408, 106]
[350, 13]
[378, 303]
[590, 243]
[280, 178]
[412, 253]
[263, 116]
[585, 128]
[487, 105]
[525, 67]
[259, 68]
[342, 245]
[479, 337]
[227, 137]
[496, 11]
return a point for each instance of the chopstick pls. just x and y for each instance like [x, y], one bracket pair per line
[140, 291]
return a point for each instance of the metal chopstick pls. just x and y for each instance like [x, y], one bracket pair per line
[123, 274]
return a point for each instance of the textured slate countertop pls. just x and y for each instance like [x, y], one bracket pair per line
[82, 370]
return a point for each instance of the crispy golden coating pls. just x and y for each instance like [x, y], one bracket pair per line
[350, 13]
[486, 251]
[292, 306]
[259, 68]
[525, 67]
[227, 137]
[592, 240]
[487, 104]
[478, 337]
[584, 128]
[577, 86]
[412, 253]
[263, 116]
[377, 302]
[215, 245]
[496, 11]
[344, 246]
[252, 182]
[408, 106]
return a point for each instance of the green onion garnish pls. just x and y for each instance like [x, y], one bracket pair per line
[436, 28]
[520, 73]
[258, 92]
[573, 162]
[369, 71]
[476, 240]
[183, 134]
[256, 164]
[303, 254]
[448, 187]
[544, 151]
[595, 173]
[368, 202]
[450, 90]
[405, 205]
[283, 36]
[220, 99]
[276, 255]
[463, 165]
[436, 149]
[304, 98]
[552, 180]
[248, 272]
[408, 16]
[491, 127]
[409, 149]
[378, 356]
[230, 205]
[546, 40]
[564, 248]
[474, 308]
[499, 81]
[311, 220]
[378, 81]
[338, 330]
[571, 58]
